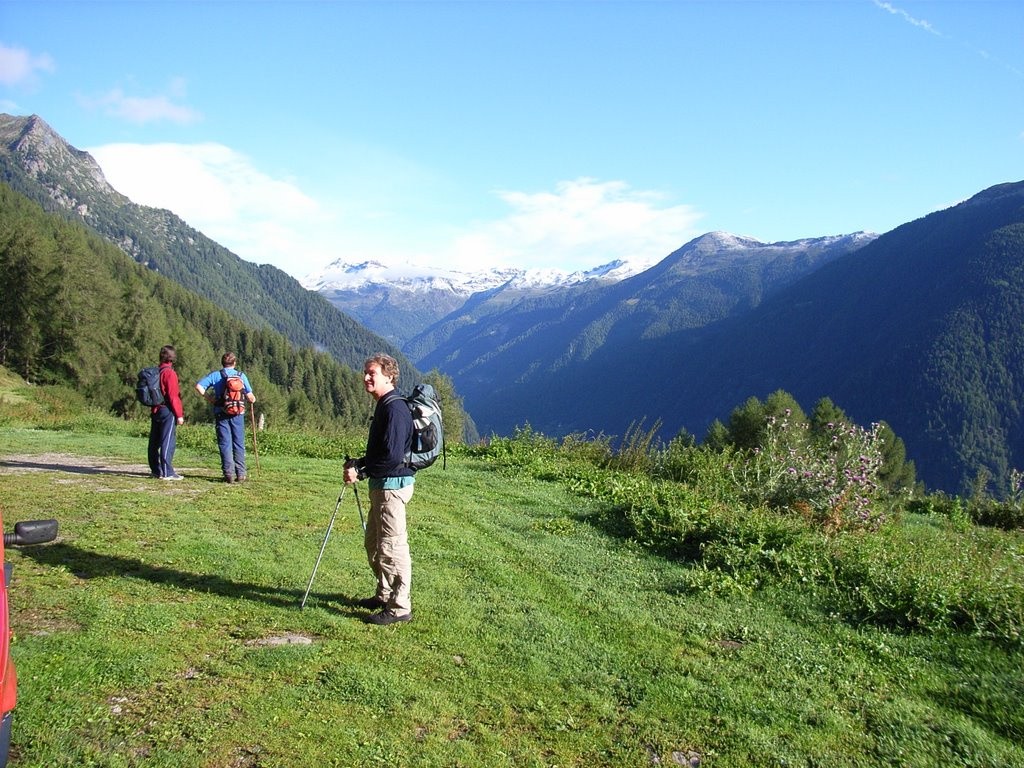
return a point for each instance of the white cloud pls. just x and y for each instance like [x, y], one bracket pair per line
[19, 67]
[582, 224]
[217, 191]
[146, 109]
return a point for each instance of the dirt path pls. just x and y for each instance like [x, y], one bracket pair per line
[71, 468]
[65, 462]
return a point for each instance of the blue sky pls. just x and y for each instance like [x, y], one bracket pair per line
[467, 135]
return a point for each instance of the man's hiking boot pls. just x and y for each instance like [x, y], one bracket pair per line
[387, 616]
[372, 603]
[175, 476]
[228, 479]
[241, 478]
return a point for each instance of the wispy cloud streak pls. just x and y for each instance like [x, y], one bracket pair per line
[928, 27]
[925, 25]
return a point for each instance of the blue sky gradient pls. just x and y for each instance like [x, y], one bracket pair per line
[525, 133]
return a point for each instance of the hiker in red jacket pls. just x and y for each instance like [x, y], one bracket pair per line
[165, 419]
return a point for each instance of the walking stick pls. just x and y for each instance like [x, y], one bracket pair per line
[324, 545]
[355, 490]
[255, 450]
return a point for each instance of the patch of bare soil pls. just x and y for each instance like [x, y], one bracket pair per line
[286, 639]
[75, 468]
[62, 462]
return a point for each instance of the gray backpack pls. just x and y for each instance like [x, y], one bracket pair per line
[427, 428]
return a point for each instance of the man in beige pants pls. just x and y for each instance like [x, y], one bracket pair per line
[391, 484]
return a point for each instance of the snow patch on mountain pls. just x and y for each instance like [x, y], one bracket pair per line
[341, 275]
[725, 241]
[345, 276]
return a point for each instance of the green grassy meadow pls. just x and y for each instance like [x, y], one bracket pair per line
[163, 628]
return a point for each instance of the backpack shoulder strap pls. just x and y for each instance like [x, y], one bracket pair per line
[390, 396]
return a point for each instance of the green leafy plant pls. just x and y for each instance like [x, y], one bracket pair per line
[834, 479]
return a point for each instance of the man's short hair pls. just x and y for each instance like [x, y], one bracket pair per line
[388, 365]
[167, 354]
[228, 360]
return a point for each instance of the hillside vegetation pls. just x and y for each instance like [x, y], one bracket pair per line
[574, 606]
[501, 339]
[922, 327]
[77, 311]
[38, 163]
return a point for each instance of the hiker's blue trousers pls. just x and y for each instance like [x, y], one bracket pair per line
[163, 427]
[231, 442]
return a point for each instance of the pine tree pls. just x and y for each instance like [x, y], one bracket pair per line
[23, 252]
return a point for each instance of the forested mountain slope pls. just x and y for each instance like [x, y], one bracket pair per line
[498, 334]
[38, 163]
[923, 327]
[75, 310]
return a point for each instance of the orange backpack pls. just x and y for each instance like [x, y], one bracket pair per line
[232, 396]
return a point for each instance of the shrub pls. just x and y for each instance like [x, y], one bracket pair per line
[932, 581]
[707, 470]
[670, 517]
[637, 450]
[748, 547]
[1007, 514]
[526, 453]
[833, 480]
[980, 509]
[940, 506]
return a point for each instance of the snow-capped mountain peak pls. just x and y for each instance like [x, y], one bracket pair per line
[342, 275]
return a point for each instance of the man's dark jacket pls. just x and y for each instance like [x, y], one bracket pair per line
[390, 439]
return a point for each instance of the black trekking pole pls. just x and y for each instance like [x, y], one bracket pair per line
[355, 490]
[324, 545]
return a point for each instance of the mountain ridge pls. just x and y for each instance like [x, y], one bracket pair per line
[923, 328]
[37, 162]
[703, 281]
[399, 301]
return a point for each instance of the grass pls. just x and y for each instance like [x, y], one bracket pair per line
[163, 629]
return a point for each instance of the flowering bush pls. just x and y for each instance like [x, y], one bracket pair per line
[830, 476]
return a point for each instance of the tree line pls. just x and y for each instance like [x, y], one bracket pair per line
[77, 311]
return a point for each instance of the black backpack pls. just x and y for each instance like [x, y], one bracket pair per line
[427, 428]
[147, 390]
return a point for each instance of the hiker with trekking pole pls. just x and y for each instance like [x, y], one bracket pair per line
[390, 482]
[228, 391]
[406, 435]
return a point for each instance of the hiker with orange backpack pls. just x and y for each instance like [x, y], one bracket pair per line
[229, 392]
